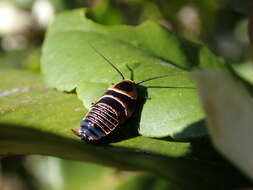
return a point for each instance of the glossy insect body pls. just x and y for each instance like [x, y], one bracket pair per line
[111, 110]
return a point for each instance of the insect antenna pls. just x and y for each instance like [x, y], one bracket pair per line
[158, 77]
[131, 72]
[107, 60]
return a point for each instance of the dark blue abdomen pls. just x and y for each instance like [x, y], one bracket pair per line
[100, 121]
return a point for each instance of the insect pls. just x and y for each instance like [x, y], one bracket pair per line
[112, 109]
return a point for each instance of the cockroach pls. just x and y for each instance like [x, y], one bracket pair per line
[113, 108]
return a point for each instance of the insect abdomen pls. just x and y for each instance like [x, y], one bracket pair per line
[111, 110]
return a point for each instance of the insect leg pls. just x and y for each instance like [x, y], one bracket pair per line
[75, 132]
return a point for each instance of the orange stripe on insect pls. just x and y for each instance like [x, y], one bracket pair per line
[104, 116]
[117, 99]
[122, 92]
[108, 108]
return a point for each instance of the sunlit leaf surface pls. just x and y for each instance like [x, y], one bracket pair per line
[172, 108]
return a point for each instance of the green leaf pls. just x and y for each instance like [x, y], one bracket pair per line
[172, 108]
[229, 112]
[76, 174]
[100, 177]
[37, 120]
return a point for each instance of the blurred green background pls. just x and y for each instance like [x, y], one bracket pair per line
[219, 24]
